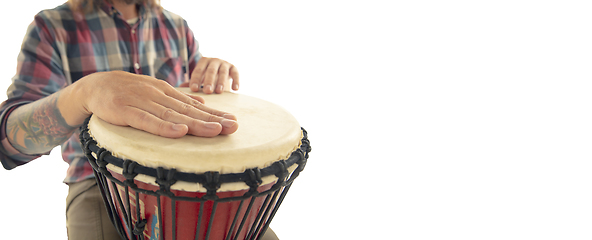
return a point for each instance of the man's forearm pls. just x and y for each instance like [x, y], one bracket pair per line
[38, 127]
[119, 98]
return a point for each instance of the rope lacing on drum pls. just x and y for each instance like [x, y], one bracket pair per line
[85, 139]
[302, 159]
[305, 146]
[88, 140]
[212, 184]
[165, 182]
[128, 172]
[87, 150]
[254, 179]
[100, 157]
[102, 164]
[282, 173]
[139, 228]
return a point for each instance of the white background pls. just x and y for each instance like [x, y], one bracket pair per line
[427, 119]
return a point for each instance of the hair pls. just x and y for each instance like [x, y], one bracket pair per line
[87, 6]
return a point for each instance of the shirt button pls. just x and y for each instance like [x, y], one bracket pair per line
[137, 66]
[133, 31]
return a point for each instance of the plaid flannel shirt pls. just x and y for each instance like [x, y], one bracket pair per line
[62, 46]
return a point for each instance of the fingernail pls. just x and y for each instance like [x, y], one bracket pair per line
[227, 123]
[194, 86]
[178, 127]
[221, 88]
[211, 125]
[229, 116]
[210, 88]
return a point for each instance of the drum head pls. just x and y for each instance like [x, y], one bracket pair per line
[267, 133]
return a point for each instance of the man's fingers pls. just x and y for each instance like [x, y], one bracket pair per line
[234, 76]
[222, 77]
[168, 123]
[198, 98]
[201, 126]
[210, 77]
[197, 75]
[190, 99]
[143, 120]
[179, 107]
[227, 120]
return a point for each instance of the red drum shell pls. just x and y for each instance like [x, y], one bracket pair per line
[187, 215]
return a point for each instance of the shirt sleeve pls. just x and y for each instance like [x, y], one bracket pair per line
[192, 50]
[39, 74]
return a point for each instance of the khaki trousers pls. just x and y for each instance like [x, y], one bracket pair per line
[86, 215]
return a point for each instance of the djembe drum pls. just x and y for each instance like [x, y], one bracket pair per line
[225, 187]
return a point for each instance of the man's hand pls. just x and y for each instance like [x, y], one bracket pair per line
[145, 103]
[213, 75]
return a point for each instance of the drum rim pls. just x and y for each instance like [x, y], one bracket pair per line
[211, 180]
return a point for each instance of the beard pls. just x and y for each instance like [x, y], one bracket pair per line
[133, 1]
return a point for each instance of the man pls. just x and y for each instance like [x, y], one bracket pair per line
[108, 58]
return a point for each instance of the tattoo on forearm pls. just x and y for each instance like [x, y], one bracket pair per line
[38, 127]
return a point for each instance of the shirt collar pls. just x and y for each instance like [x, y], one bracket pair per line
[111, 11]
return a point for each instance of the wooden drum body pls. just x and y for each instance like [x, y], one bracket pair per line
[226, 187]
